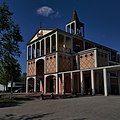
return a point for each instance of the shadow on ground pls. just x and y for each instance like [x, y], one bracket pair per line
[14, 102]
[24, 117]
[9, 104]
[80, 119]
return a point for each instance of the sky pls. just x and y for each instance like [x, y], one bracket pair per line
[101, 19]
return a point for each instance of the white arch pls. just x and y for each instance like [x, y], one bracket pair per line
[41, 58]
[28, 84]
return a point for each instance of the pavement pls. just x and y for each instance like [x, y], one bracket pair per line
[81, 108]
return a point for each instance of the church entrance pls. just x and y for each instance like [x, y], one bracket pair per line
[40, 75]
[87, 85]
[50, 83]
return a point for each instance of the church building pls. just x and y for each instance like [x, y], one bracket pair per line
[62, 62]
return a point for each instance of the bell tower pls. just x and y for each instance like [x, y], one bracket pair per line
[75, 26]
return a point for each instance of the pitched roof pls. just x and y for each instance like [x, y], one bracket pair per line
[75, 17]
[52, 29]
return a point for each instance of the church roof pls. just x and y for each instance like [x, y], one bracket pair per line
[75, 17]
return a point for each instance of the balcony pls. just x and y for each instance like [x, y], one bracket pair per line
[65, 50]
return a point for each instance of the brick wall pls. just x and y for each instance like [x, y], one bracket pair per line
[87, 60]
[64, 63]
[31, 68]
[51, 64]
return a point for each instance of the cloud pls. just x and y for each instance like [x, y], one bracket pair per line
[47, 11]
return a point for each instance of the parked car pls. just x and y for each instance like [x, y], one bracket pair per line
[16, 86]
[20, 90]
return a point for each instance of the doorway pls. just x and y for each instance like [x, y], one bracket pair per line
[88, 90]
[51, 85]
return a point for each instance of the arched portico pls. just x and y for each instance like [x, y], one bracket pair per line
[31, 85]
[39, 75]
[51, 84]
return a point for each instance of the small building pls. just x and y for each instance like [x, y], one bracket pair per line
[16, 85]
[2, 88]
[63, 62]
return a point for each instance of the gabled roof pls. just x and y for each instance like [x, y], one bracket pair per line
[53, 31]
[35, 36]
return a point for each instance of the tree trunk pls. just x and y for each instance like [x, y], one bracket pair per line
[6, 87]
[11, 92]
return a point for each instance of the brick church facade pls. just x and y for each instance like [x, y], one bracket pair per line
[63, 62]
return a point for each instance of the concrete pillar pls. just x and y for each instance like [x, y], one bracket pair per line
[95, 52]
[92, 82]
[77, 62]
[40, 48]
[35, 51]
[82, 83]
[66, 28]
[70, 29]
[59, 81]
[50, 44]
[44, 46]
[27, 85]
[35, 84]
[44, 85]
[72, 83]
[75, 30]
[119, 81]
[56, 41]
[63, 83]
[57, 84]
[56, 61]
[105, 82]
[31, 51]
[41, 89]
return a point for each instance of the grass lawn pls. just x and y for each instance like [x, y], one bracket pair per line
[7, 100]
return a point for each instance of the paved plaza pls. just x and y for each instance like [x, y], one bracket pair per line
[82, 108]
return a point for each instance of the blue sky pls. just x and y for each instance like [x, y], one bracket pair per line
[101, 19]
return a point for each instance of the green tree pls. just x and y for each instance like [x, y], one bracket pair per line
[23, 77]
[3, 76]
[12, 68]
[10, 37]
[10, 71]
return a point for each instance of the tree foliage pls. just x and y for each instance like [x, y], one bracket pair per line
[3, 75]
[10, 37]
[23, 77]
[10, 71]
